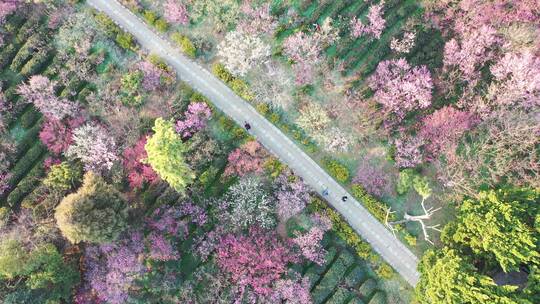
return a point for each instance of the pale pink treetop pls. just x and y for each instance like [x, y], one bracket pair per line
[310, 242]
[517, 79]
[292, 291]
[400, 88]
[7, 7]
[175, 12]
[375, 25]
[442, 129]
[39, 90]
[257, 260]
[472, 52]
[257, 19]
[305, 51]
[196, 117]
[249, 158]
[292, 196]
[94, 147]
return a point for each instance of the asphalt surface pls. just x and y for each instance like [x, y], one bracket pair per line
[381, 239]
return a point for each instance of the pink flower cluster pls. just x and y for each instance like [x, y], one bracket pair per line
[249, 158]
[305, 51]
[442, 129]
[400, 88]
[39, 90]
[376, 22]
[256, 20]
[257, 260]
[175, 12]
[196, 117]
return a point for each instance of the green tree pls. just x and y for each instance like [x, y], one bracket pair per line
[95, 213]
[165, 151]
[421, 186]
[63, 177]
[447, 278]
[44, 275]
[499, 224]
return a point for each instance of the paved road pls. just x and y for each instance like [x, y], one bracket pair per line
[382, 240]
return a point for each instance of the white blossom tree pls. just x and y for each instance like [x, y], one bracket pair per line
[240, 52]
[93, 146]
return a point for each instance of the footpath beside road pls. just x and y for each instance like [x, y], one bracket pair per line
[366, 225]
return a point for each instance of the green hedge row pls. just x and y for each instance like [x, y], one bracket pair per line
[26, 163]
[29, 139]
[374, 206]
[26, 185]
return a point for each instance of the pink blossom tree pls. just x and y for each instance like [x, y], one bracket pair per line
[400, 88]
[305, 51]
[471, 52]
[310, 242]
[292, 196]
[40, 91]
[292, 291]
[249, 158]
[196, 117]
[442, 130]
[408, 152]
[137, 170]
[256, 19]
[175, 12]
[256, 261]
[7, 7]
[376, 22]
[373, 178]
[152, 75]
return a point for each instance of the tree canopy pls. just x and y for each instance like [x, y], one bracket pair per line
[165, 151]
[95, 213]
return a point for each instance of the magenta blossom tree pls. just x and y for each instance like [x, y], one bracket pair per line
[257, 260]
[138, 171]
[375, 24]
[408, 152]
[39, 90]
[175, 12]
[442, 129]
[195, 119]
[256, 19]
[292, 291]
[56, 135]
[401, 88]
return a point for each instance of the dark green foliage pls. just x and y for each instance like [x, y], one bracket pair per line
[26, 185]
[25, 52]
[26, 163]
[45, 277]
[36, 64]
[29, 139]
[29, 118]
[428, 48]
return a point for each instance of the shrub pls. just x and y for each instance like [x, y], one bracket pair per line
[375, 207]
[405, 181]
[161, 25]
[384, 271]
[150, 17]
[126, 41]
[26, 185]
[337, 170]
[26, 163]
[63, 177]
[185, 44]
[95, 213]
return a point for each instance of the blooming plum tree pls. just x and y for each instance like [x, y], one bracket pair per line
[292, 196]
[93, 146]
[39, 90]
[400, 88]
[195, 119]
[137, 170]
[175, 12]
[240, 257]
[249, 158]
[376, 22]
[240, 52]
